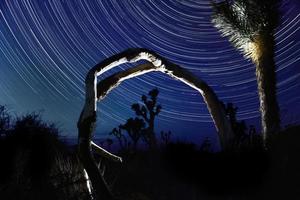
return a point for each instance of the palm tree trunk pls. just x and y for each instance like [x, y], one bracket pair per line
[266, 81]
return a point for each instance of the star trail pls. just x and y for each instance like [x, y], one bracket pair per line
[47, 47]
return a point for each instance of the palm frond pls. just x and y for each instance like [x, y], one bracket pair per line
[243, 20]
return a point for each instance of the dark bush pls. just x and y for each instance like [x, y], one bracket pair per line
[36, 164]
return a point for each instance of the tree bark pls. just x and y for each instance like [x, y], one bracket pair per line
[85, 128]
[266, 83]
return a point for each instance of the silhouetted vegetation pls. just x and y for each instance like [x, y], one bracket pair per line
[244, 138]
[187, 171]
[148, 112]
[121, 138]
[142, 126]
[135, 130]
[5, 120]
[165, 137]
[35, 164]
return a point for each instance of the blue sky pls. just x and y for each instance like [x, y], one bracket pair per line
[47, 47]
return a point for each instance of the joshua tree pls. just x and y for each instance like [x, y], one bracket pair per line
[4, 120]
[206, 146]
[165, 136]
[231, 112]
[238, 127]
[250, 26]
[148, 112]
[96, 92]
[117, 132]
[134, 128]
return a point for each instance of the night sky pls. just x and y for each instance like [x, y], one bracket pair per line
[47, 47]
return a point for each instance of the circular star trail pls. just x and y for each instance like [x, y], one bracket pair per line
[47, 47]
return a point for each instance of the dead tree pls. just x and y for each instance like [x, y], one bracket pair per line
[96, 92]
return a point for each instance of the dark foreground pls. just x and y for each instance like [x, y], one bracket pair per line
[38, 165]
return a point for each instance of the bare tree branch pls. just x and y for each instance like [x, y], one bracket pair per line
[105, 153]
[179, 73]
[94, 93]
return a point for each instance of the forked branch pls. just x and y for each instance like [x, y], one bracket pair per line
[96, 93]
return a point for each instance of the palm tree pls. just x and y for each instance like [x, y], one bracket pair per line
[250, 27]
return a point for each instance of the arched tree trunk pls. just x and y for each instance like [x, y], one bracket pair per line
[175, 71]
[96, 92]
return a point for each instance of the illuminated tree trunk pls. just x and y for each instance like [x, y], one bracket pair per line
[85, 146]
[266, 83]
[250, 26]
[96, 93]
[160, 64]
